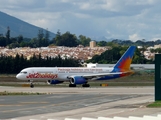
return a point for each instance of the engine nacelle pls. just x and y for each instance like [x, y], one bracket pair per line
[78, 80]
[54, 82]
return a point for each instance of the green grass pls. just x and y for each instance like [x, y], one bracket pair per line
[7, 75]
[156, 104]
[18, 93]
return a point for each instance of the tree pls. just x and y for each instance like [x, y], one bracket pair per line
[69, 40]
[34, 43]
[8, 36]
[13, 45]
[40, 37]
[2, 41]
[24, 44]
[46, 39]
[19, 39]
[102, 43]
[109, 56]
[57, 40]
[112, 44]
[66, 39]
[13, 40]
[139, 57]
[84, 41]
[47, 35]
[158, 50]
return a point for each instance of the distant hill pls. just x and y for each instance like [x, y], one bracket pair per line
[18, 27]
[137, 43]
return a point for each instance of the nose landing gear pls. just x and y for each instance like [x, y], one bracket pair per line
[31, 83]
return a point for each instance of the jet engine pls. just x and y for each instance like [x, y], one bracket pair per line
[78, 80]
[54, 82]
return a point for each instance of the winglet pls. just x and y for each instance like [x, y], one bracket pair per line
[124, 62]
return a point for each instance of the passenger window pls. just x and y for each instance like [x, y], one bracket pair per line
[24, 72]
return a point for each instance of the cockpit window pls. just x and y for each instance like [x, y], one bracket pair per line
[24, 72]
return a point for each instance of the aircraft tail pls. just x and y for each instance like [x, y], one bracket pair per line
[124, 62]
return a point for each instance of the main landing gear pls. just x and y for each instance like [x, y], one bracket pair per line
[72, 85]
[31, 83]
[83, 85]
[86, 85]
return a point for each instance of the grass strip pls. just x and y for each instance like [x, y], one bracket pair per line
[18, 93]
[156, 104]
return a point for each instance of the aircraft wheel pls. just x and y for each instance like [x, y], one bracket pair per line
[85, 85]
[32, 85]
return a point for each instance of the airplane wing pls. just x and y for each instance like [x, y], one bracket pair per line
[96, 76]
[99, 75]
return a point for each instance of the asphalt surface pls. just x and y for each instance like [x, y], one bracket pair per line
[60, 103]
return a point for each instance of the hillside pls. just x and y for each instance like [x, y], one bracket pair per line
[18, 27]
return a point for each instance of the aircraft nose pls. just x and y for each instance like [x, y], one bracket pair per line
[18, 76]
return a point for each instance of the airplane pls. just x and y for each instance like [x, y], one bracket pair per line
[79, 75]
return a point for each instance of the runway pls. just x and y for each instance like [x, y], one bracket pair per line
[60, 103]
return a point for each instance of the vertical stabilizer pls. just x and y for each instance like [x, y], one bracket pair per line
[124, 62]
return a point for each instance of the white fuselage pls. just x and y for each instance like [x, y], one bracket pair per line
[58, 73]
